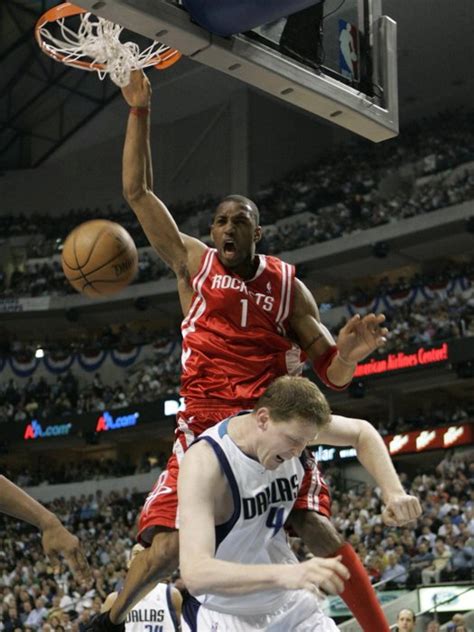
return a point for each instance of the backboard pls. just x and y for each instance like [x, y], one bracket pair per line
[351, 80]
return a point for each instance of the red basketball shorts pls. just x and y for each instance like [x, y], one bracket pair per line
[161, 504]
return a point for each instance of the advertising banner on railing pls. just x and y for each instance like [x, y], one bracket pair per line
[414, 442]
[45, 429]
[431, 439]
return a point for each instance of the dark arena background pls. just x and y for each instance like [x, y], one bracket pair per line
[364, 177]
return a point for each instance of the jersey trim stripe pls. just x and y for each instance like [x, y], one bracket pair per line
[287, 295]
[223, 530]
[171, 608]
[195, 283]
[282, 297]
[314, 490]
[203, 267]
[191, 608]
[199, 305]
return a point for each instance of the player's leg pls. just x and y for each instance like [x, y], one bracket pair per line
[152, 565]
[317, 532]
[147, 569]
[310, 519]
[157, 531]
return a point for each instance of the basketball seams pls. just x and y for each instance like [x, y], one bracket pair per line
[82, 275]
[119, 268]
[94, 270]
[91, 249]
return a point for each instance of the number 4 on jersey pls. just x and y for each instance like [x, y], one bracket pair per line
[275, 519]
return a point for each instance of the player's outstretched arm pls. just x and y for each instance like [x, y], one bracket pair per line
[200, 492]
[56, 539]
[334, 363]
[372, 452]
[180, 252]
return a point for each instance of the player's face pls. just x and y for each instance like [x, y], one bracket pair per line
[234, 233]
[405, 621]
[284, 440]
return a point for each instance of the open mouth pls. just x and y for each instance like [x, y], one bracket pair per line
[229, 247]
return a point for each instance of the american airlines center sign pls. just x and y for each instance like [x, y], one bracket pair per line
[418, 358]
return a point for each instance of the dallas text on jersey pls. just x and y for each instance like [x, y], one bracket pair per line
[280, 490]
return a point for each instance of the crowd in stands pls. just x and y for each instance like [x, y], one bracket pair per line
[34, 598]
[355, 188]
[419, 419]
[440, 547]
[66, 396]
[84, 340]
[432, 278]
[47, 277]
[427, 323]
[47, 472]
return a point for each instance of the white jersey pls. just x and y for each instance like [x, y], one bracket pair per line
[254, 534]
[154, 613]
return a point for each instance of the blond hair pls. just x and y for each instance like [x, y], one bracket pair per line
[290, 397]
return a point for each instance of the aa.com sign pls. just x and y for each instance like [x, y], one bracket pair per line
[34, 430]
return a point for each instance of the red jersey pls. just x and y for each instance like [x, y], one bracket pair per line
[235, 336]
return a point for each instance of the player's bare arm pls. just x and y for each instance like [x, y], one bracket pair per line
[180, 252]
[400, 507]
[316, 340]
[201, 492]
[56, 539]
[334, 364]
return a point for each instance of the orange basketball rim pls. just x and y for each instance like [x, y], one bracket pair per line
[74, 45]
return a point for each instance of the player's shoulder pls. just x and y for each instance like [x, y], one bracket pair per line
[276, 265]
[196, 251]
[200, 456]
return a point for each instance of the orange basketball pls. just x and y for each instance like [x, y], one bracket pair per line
[99, 258]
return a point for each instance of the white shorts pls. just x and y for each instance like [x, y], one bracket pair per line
[301, 614]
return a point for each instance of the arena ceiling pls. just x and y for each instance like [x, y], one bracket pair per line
[42, 103]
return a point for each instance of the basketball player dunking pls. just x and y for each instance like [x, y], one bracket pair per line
[246, 320]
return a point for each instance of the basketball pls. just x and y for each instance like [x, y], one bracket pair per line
[99, 258]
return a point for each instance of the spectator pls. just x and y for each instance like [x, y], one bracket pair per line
[460, 565]
[442, 555]
[394, 574]
[406, 620]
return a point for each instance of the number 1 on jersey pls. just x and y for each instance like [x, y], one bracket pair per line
[245, 311]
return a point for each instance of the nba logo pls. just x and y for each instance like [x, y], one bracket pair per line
[349, 50]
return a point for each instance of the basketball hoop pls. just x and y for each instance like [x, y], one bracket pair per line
[96, 46]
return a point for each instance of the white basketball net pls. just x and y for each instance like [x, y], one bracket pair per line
[98, 40]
